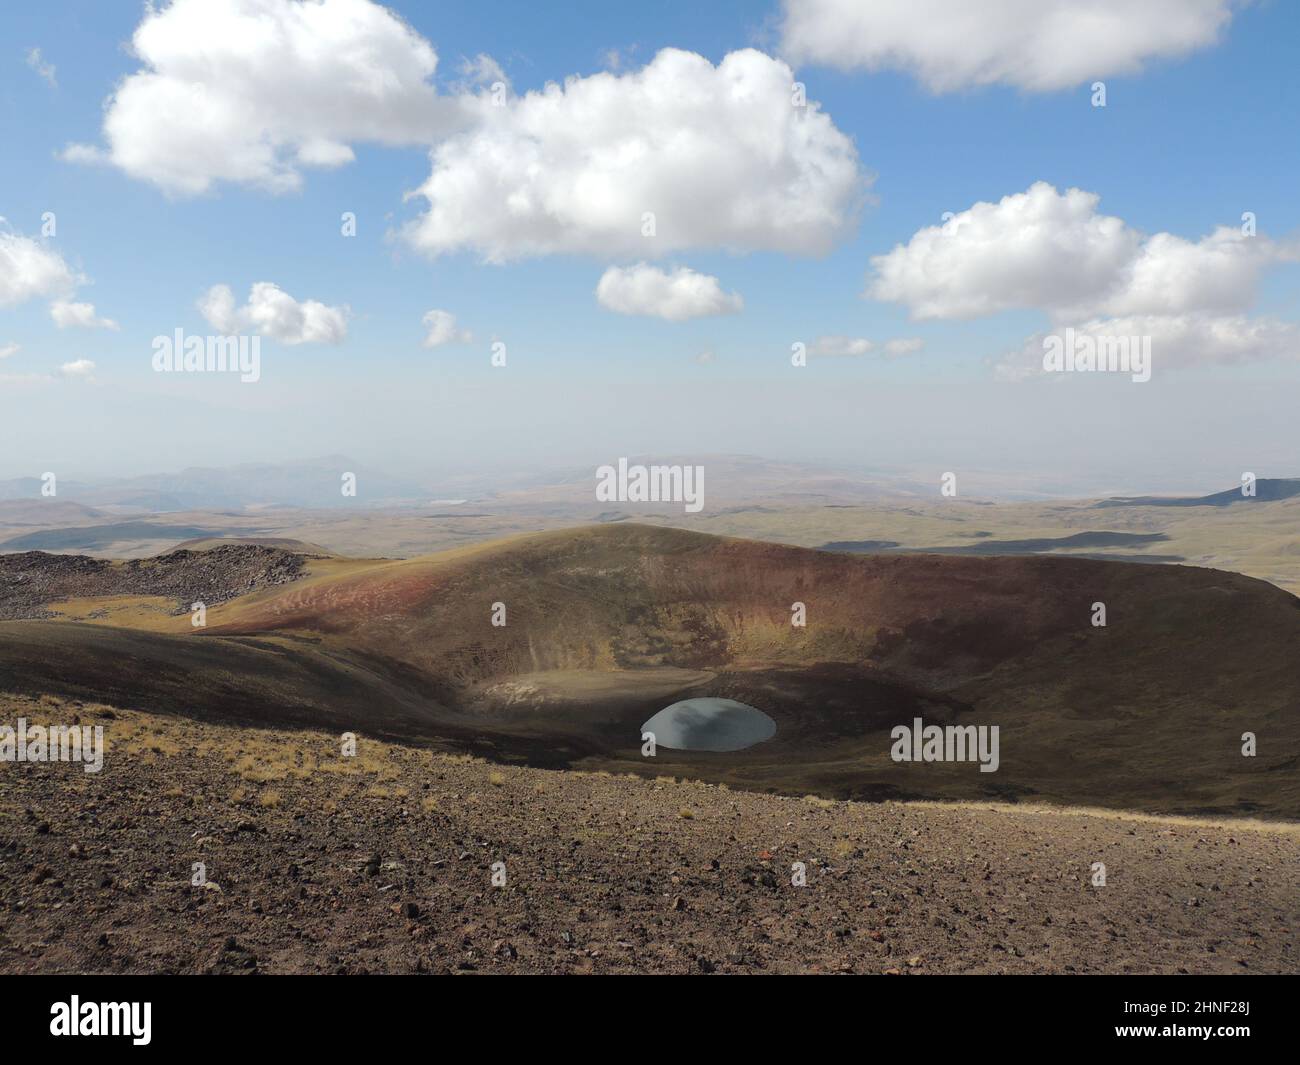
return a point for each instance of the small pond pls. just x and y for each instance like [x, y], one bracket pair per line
[710, 724]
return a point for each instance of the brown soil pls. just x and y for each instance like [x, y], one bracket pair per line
[382, 863]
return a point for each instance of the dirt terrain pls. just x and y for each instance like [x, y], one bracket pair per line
[606, 625]
[34, 582]
[382, 862]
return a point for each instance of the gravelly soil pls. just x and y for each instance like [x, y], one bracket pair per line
[383, 863]
[31, 580]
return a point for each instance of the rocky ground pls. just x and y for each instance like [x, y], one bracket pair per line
[33, 579]
[384, 862]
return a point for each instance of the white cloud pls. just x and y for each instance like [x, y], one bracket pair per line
[1037, 45]
[901, 346]
[480, 71]
[1177, 341]
[1052, 251]
[76, 370]
[840, 347]
[272, 312]
[253, 91]
[80, 368]
[46, 70]
[441, 329]
[647, 290]
[29, 269]
[718, 155]
[81, 315]
[1172, 275]
[9, 349]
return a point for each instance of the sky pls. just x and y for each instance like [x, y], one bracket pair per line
[651, 210]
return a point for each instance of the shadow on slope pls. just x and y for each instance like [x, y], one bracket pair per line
[608, 624]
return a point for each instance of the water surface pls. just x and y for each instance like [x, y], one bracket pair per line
[710, 724]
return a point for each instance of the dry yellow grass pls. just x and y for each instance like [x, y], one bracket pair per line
[257, 757]
[150, 612]
[1246, 824]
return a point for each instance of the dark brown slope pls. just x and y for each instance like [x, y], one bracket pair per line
[1146, 713]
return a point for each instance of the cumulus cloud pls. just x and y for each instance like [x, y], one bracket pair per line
[1036, 45]
[1176, 341]
[676, 296]
[441, 329]
[1052, 250]
[80, 368]
[9, 349]
[254, 91]
[81, 315]
[680, 154]
[272, 312]
[30, 270]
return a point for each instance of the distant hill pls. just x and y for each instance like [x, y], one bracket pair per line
[605, 625]
[96, 537]
[281, 543]
[1033, 546]
[730, 481]
[34, 584]
[29, 488]
[310, 483]
[44, 512]
[1267, 489]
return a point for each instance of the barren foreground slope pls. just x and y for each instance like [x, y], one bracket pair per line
[383, 863]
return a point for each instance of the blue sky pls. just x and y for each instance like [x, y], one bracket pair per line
[1186, 143]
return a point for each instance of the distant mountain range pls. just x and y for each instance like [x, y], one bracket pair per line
[731, 479]
[313, 483]
[1267, 489]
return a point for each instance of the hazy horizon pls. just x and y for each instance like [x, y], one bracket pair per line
[915, 222]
